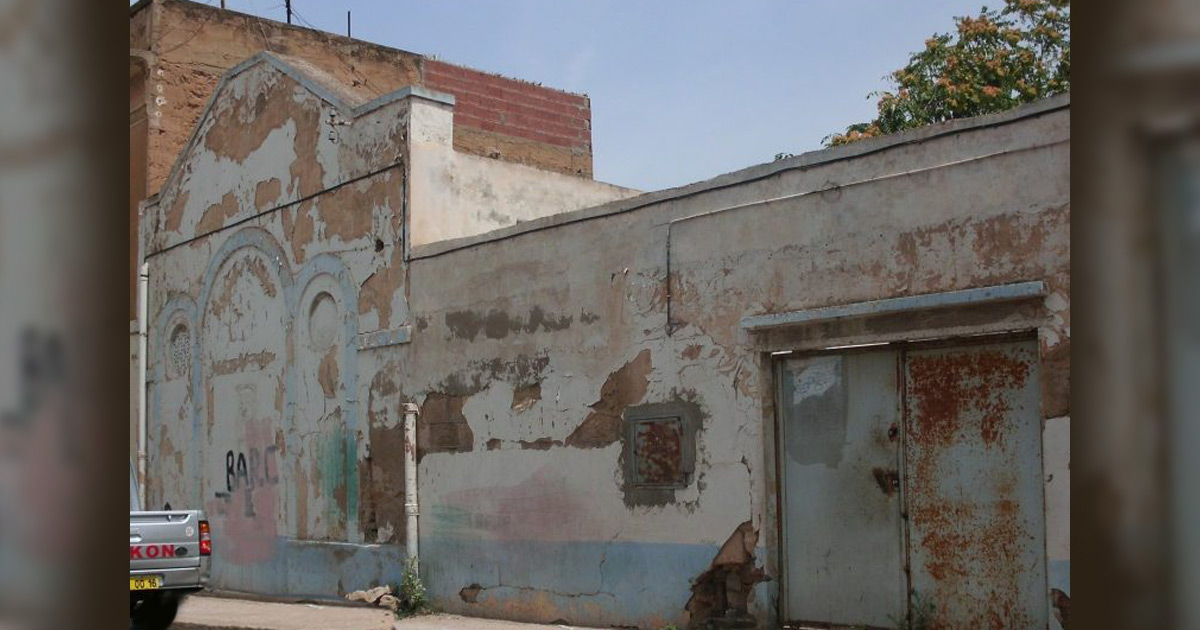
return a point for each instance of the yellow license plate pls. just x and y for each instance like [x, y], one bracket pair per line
[145, 582]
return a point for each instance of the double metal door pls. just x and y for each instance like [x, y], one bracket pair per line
[911, 488]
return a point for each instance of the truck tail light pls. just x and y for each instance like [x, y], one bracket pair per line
[205, 539]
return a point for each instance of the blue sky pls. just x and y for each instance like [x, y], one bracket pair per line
[682, 90]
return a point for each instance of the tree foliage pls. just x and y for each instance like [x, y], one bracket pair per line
[993, 62]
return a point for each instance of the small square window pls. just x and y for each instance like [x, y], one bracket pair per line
[658, 452]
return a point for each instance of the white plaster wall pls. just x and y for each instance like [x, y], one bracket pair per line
[455, 195]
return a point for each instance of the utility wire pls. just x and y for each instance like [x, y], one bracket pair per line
[354, 73]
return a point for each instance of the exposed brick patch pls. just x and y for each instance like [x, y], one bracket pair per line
[514, 108]
[725, 590]
[441, 426]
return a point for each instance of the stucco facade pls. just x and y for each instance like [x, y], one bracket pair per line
[316, 261]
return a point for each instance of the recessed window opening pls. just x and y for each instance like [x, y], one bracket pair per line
[179, 351]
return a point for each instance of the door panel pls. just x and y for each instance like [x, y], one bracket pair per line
[973, 485]
[840, 453]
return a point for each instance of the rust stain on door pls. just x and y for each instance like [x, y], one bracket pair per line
[976, 521]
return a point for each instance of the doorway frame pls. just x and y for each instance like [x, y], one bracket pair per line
[773, 360]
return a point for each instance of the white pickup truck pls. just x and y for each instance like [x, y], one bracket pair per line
[169, 555]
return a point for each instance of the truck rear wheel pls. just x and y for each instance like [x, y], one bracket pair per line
[154, 613]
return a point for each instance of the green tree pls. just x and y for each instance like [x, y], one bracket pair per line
[993, 62]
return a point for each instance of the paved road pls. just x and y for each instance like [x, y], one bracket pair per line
[219, 613]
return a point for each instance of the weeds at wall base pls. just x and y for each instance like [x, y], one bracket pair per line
[414, 599]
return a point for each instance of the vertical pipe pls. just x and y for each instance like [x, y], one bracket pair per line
[347, 24]
[410, 480]
[143, 284]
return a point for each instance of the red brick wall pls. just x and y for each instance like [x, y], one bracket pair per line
[514, 108]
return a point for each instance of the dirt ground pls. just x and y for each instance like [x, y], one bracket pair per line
[220, 613]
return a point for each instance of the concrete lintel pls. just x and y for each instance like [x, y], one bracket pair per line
[384, 338]
[982, 295]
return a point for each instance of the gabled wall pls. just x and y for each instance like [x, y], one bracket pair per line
[275, 248]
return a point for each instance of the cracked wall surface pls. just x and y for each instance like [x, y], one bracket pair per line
[527, 347]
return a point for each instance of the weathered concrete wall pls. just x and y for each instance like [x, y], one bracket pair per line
[526, 509]
[284, 344]
[456, 194]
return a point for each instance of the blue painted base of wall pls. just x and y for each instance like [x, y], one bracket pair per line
[586, 583]
[311, 570]
[638, 584]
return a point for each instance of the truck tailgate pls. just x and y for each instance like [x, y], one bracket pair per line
[164, 540]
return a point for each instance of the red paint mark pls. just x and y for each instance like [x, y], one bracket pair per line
[140, 552]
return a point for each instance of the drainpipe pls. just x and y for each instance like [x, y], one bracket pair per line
[143, 285]
[410, 479]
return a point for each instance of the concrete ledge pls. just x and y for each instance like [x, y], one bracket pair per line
[1001, 293]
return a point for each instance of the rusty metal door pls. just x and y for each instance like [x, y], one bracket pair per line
[973, 486]
[921, 457]
[840, 450]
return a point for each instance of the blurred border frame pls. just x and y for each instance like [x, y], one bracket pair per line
[65, 357]
[1135, 239]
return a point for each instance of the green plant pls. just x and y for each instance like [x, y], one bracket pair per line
[920, 616]
[414, 600]
[993, 62]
